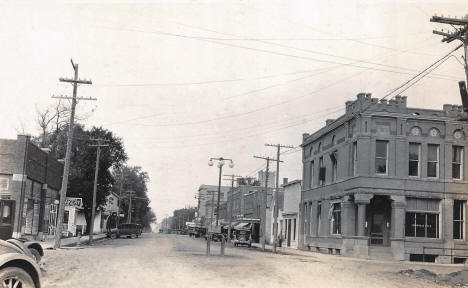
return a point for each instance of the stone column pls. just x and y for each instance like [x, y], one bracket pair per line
[361, 248]
[313, 219]
[347, 217]
[398, 227]
[300, 236]
[362, 200]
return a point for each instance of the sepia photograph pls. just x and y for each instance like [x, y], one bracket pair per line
[233, 143]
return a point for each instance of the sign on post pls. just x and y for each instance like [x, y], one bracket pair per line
[74, 202]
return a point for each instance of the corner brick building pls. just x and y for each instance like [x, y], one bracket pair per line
[30, 179]
[387, 181]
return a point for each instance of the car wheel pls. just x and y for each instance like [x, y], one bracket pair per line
[113, 236]
[133, 235]
[36, 254]
[15, 277]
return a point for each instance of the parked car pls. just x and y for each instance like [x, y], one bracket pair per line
[34, 247]
[18, 266]
[132, 230]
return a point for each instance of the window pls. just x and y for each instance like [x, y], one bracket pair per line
[458, 219]
[433, 160]
[311, 171]
[334, 161]
[422, 217]
[422, 225]
[294, 229]
[354, 159]
[414, 156]
[319, 217]
[381, 151]
[457, 162]
[321, 172]
[336, 218]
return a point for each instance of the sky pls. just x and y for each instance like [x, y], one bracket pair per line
[183, 81]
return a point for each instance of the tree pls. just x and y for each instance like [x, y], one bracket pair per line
[181, 216]
[134, 180]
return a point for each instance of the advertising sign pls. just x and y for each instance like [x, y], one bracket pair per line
[74, 202]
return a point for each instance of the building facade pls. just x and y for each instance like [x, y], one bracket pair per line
[208, 201]
[290, 212]
[385, 180]
[30, 180]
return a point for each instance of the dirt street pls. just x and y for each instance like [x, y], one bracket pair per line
[158, 260]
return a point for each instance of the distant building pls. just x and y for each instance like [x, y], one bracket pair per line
[30, 180]
[208, 200]
[385, 180]
[290, 213]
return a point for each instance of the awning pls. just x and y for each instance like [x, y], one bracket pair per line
[232, 225]
[242, 226]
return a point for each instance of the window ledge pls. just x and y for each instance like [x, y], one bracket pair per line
[423, 240]
[336, 236]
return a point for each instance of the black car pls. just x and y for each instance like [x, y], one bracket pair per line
[132, 230]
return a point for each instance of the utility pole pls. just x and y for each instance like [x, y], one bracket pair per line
[264, 200]
[275, 194]
[460, 25]
[129, 215]
[230, 203]
[63, 190]
[120, 194]
[96, 173]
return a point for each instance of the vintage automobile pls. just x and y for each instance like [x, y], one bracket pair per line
[132, 230]
[242, 235]
[33, 246]
[18, 268]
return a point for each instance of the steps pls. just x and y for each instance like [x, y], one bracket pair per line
[380, 253]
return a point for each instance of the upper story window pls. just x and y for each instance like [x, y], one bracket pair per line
[433, 160]
[381, 156]
[311, 176]
[321, 172]
[457, 162]
[334, 170]
[414, 157]
[354, 157]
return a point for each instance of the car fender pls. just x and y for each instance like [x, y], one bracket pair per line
[21, 246]
[34, 245]
[24, 262]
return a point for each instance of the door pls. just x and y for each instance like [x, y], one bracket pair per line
[6, 218]
[289, 232]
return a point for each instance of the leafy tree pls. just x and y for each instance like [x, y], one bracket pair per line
[133, 179]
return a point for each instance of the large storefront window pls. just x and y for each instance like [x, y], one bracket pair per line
[424, 225]
[458, 219]
[336, 218]
[422, 218]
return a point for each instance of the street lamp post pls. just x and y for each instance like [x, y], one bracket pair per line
[220, 166]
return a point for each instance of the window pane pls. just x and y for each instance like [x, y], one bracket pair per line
[413, 169]
[420, 225]
[457, 230]
[455, 170]
[432, 151]
[432, 220]
[414, 151]
[409, 224]
[456, 210]
[380, 165]
[456, 154]
[431, 169]
[381, 149]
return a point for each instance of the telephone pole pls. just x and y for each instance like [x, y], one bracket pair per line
[129, 215]
[96, 173]
[460, 26]
[275, 194]
[230, 203]
[66, 170]
[264, 200]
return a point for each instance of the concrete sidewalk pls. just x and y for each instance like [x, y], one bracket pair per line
[49, 244]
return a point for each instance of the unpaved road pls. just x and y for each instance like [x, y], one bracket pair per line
[159, 260]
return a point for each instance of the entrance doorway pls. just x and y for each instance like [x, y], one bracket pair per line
[378, 219]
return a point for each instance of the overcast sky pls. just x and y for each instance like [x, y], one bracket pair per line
[185, 81]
